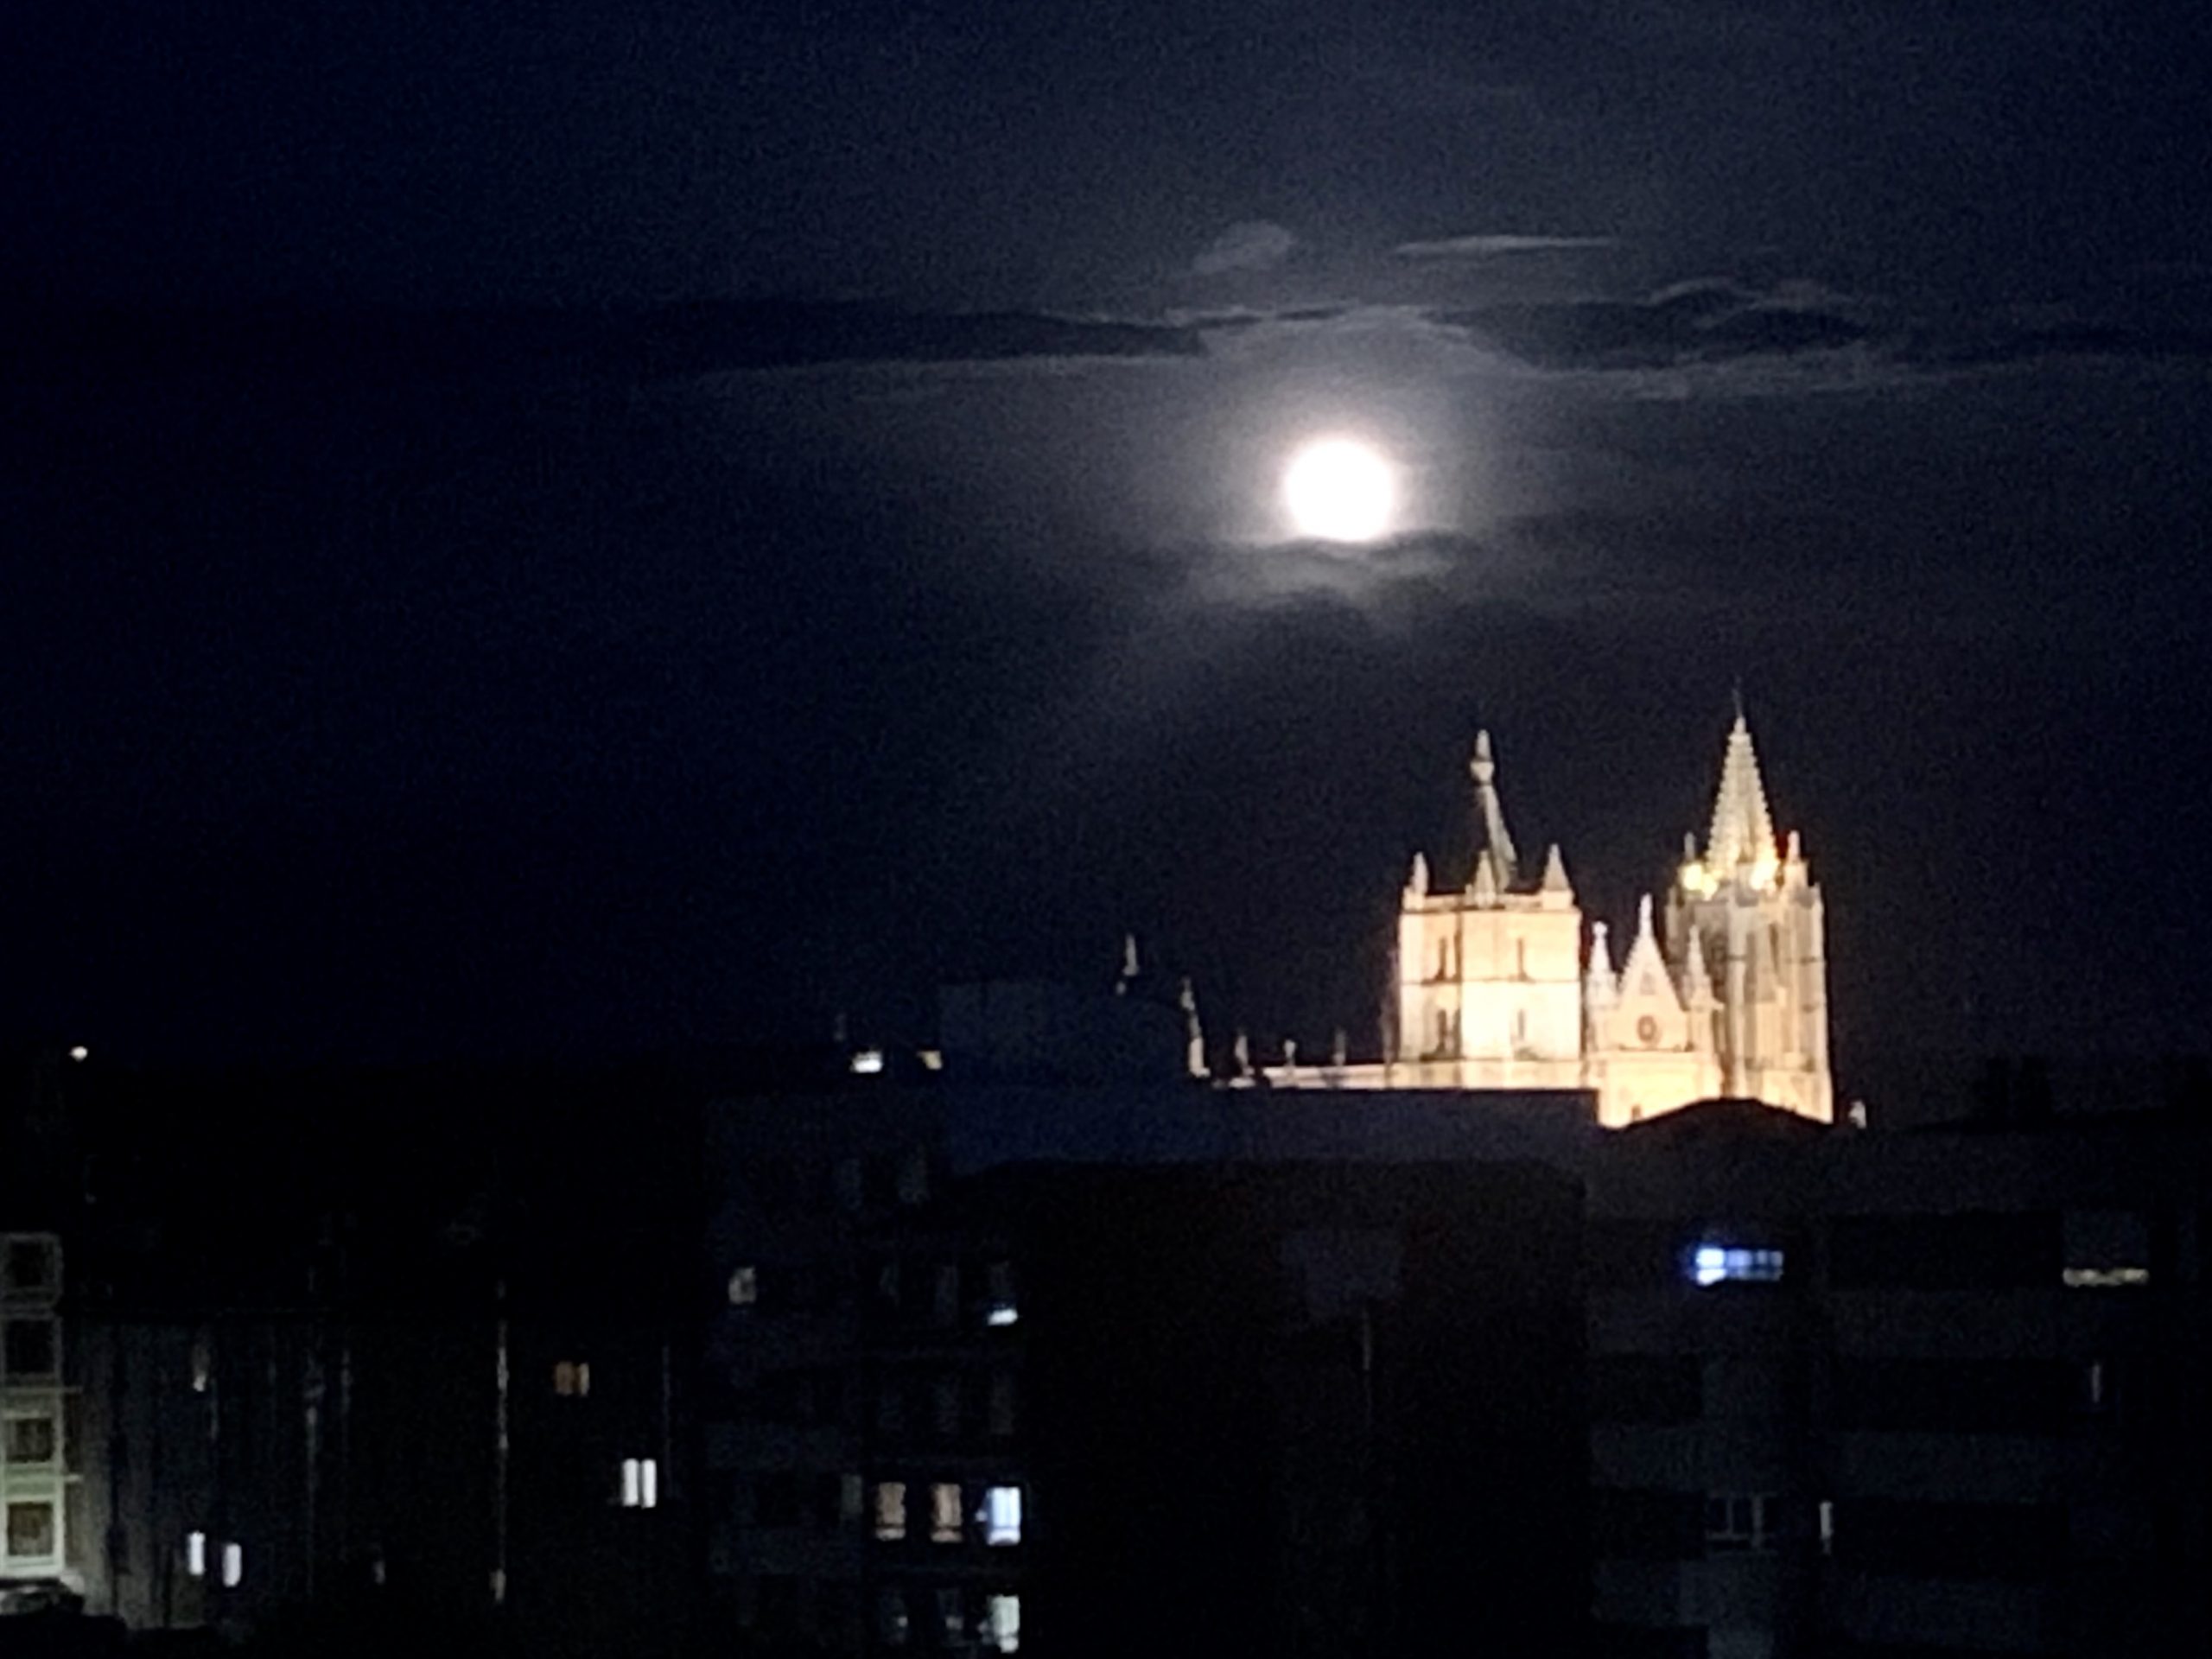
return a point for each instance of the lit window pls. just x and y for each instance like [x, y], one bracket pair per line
[944, 1512]
[744, 1287]
[868, 1062]
[79, 1054]
[2106, 1249]
[1002, 1623]
[29, 1347]
[32, 1439]
[195, 1553]
[1828, 1526]
[1002, 1515]
[32, 1534]
[572, 1377]
[2103, 1277]
[1736, 1521]
[203, 1362]
[640, 1483]
[233, 1565]
[890, 1510]
[999, 1306]
[1716, 1264]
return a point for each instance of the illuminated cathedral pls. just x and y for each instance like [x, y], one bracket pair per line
[1725, 993]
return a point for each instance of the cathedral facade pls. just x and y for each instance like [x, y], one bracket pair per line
[1723, 993]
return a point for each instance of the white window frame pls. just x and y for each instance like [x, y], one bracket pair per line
[1746, 1524]
[52, 1506]
[31, 1413]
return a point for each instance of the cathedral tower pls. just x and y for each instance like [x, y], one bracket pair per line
[1488, 991]
[1750, 915]
[1491, 988]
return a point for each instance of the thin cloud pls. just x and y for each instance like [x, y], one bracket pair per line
[663, 343]
[1497, 245]
[1248, 244]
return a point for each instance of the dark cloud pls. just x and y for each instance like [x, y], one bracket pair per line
[1714, 323]
[543, 344]
[1494, 245]
[1701, 322]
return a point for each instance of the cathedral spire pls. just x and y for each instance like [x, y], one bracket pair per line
[1697, 978]
[1743, 828]
[1484, 769]
[1555, 873]
[1485, 886]
[1643, 973]
[1600, 987]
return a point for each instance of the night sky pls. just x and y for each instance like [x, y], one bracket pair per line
[587, 528]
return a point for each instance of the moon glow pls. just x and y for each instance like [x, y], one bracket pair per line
[1339, 489]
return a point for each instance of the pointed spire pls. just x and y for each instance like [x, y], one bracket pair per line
[1697, 978]
[1742, 829]
[1194, 1034]
[1556, 892]
[1600, 988]
[1485, 887]
[1793, 860]
[1484, 769]
[1644, 973]
[1417, 882]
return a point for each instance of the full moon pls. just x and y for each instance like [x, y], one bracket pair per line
[1339, 489]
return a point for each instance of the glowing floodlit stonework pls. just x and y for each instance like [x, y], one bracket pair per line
[1494, 987]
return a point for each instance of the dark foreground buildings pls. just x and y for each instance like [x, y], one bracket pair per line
[786, 1358]
[307, 1352]
[1918, 1394]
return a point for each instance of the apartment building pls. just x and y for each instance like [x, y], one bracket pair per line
[1913, 1394]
